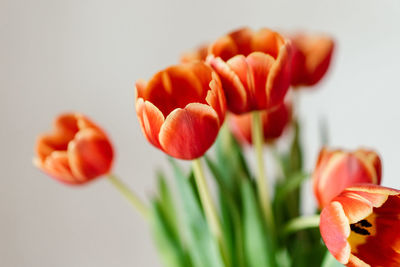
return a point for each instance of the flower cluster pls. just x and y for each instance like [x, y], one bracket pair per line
[244, 76]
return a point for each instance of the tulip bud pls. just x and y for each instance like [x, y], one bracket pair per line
[336, 169]
[181, 109]
[254, 68]
[76, 152]
[360, 226]
[311, 58]
[274, 123]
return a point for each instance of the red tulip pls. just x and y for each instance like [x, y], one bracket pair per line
[199, 53]
[274, 123]
[311, 58]
[76, 152]
[336, 169]
[254, 68]
[181, 109]
[360, 227]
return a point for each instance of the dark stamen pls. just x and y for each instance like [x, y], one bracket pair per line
[365, 223]
[360, 226]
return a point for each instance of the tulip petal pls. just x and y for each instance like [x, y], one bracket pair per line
[188, 133]
[237, 42]
[372, 164]
[234, 90]
[335, 229]
[65, 128]
[150, 119]
[175, 87]
[90, 154]
[56, 165]
[355, 206]
[375, 189]
[279, 76]
[260, 65]
[216, 98]
[140, 87]
[267, 41]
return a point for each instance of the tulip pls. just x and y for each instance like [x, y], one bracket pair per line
[199, 53]
[360, 226]
[274, 123]
[336, 169]
[254, 68]
[181, 109]
[311, 58]
[76, 152]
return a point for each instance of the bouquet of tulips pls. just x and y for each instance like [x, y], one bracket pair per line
[233, 96]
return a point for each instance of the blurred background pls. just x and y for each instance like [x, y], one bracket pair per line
[85, 55]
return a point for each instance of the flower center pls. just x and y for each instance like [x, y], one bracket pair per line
[361, 230]
[361, 227]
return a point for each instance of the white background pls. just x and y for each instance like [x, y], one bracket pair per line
[85, 55]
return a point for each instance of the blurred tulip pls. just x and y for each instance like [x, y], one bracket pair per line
[360, 226]
[181, 109]
[76, 152]
[274, 123]
[336, 169]
[254, 68]
[197, 54]
[311, 58]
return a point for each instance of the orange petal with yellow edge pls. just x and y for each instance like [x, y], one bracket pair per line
[187, 133]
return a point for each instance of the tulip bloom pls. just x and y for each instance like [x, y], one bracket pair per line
[76, 152]
[181, 109]
[360, 227]
[311, 58]
[274, 123]
[254, 68]
[197, 54]
[336, 169]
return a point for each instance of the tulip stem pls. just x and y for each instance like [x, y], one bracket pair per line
[301, 223]
[262, 183]
[209, 207]
[129, 195]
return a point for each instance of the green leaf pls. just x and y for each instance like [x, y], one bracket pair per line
[231, 220]
[257, 247]
[296, 152]
[289, 185]
[170, 249]
[201, 244]
[230, 160]
[167, 206]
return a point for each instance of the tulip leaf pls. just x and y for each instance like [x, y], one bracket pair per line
[167, 205]
[201, 244]
[258, 251]
[231, 219]
[170, 249]
[296, 154]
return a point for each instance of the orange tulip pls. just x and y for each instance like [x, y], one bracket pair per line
[336, 169]
[181, 109]
[274, 123]
[311, 58]
[360, 227]
[76, 152]
[254, 68]
[197, 54]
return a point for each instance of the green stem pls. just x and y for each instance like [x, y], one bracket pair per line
[129, 195]
[209, 207]
[301, 223]
[262, 183]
